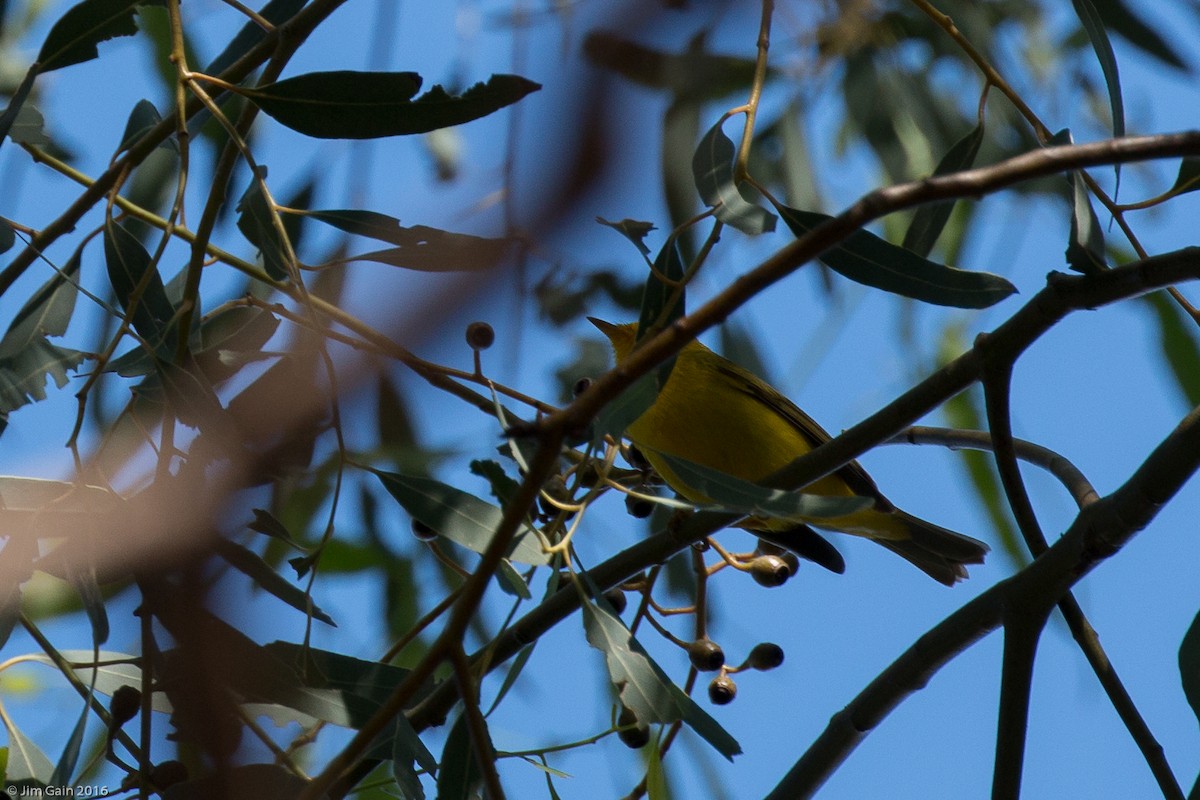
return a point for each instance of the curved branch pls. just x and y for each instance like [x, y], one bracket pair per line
[1098, 532]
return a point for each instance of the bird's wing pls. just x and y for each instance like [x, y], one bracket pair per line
[853, 474]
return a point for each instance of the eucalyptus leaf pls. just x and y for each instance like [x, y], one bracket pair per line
[46, 313]
[16, 103]
[259, 571]
[930, 219]
[434, 250]
[458, 775]
[139, 289]
[460, 517]
[750, 498]
[74, 37]
[1094, 26]
[693, 74]
[369, 105]
[1188, 179]
[27, 764]
[867, 259]
[1085, 249]
[1189, 665]
[712, 167]
[275, 12]
[256, 221]
[643, 687]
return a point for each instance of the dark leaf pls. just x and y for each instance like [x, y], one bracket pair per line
[93, 605]
[643, 687]
[1085, 251]
[65, 768]
[276, 12]
[929, 220]
[23, 376]
[458, 776]
[750, 498]
[633, 230]
[256, 222]
[1119, 19]
[1188, 179]
[693, 74]
[142, 118]
[712, 168]
[259, 571]
[75, 36]
[407, 747]
[267, 524]
[29, 128]
[865, 258]
[139, 289]
[433, 250]
[1189, 665]
[10, 606]
[8, 236]
[368, 105]
[1094, 25]
[460, 517]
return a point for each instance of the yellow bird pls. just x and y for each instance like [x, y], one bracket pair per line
[716, 414]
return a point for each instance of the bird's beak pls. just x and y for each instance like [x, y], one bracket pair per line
[607, 328]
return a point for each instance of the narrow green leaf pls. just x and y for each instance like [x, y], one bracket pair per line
[712, 167]
[233, 337]
[511, 581]
[633, 230]
[65, 768]
[259, 571]
[1179, 343]
[434, 250]
[1085, 250]
[8, 235]
[368, 105]
[1094, 26]
[46, 313]
[267, 524]
[116, 670]
[643, 687]
[23, 376]
[865, 258]
[27, 764]
[139, 289]
[93, 605]
[929, 220]
[1120, 20]
[460, 517]
[74, 38]
[656, 777]
[458, 776]
[256, 222]
[510, 677]
[750, 498]
[13, 110]
[404, 739]
[363, 223]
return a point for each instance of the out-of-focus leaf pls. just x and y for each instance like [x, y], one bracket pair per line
[1119, 19]
[267, 524]
[233, 337]
[643, 687]
[418, 247]
[259, 571]
[694, 74]
[93, 605]
[11, 112]
[408, 748]
[116, 670]
[681, 129]
[1094, 26]
[503, 487]
[1177, 338]
[29, 128]
[65, 768]
[460, 517]
[633, 230]
[511, 581]
[74, 38]
[712, 167]
[276, 12]
[865, 258]
[28, 766]
[10, 606]
[242, 782]
[368, 105]
[929, 220]
[256, 222]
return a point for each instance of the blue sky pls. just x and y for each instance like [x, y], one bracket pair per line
[1093, 390]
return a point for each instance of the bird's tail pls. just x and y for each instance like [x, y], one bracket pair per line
[940, 553]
